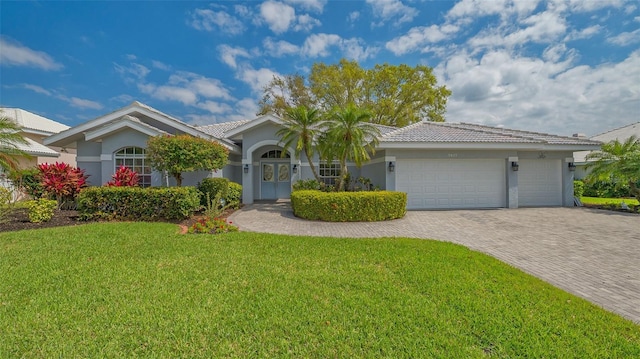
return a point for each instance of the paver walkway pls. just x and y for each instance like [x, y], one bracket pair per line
[594, 254]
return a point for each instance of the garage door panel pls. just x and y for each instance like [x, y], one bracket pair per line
[433, 184]
[540, 183]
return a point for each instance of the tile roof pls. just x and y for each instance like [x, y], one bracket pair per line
[439, 132]
[36, 149]
[31, 121]
[219, 130]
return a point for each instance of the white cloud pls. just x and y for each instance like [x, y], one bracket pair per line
[169, 93]
[279, 48]
[214, 107]
[392, 9]
[310, 5]
[229, 54]
[420, 36]
[187, 88]
[37, 89]
[160, 65]
[353, 16]
[130, 57]
[137, 70]
[317, 45]
[356, 49]
[625, 38]
[306, 23]
[82, 103]
[122, 98]
[256, 79]
[481, 8]
[209, 20]
[15, 54]
[277, 15]
[584, 33]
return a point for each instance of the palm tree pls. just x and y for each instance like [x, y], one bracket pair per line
[618, 162]
[10, 138]
[300, 130]
[349, 137]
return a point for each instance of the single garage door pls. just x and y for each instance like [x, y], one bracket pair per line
[540, 183]
[454, 183]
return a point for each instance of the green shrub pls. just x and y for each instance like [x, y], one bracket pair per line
[135, 203]
[308, 184]
[578, 189]
[231, 192]
[349, 206]
[28, 182]
[41, 210]
[5, 202]
[606, 189]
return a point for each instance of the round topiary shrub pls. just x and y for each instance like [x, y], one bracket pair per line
[349, 206]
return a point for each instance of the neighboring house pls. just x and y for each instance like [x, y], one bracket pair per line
[621, 134]
[439, 165]
[34, 129]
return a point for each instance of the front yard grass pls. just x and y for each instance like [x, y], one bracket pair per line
[141, 289]
[604, 201]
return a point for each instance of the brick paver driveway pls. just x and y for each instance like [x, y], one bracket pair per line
[591, 253]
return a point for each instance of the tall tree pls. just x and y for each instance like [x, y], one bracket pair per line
[394, 95]
[349, 137]
[10, 139]
[618, 162]
[283, 93]
[300, 130]
[184, 153]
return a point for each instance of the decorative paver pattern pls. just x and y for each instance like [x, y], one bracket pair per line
[594, 254]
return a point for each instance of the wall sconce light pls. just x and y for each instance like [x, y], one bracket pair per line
[515, 166]
[392, 166]
[246, 168]
[572, 166]
[295, 168]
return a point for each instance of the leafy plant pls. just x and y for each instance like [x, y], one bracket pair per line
[184, 153]
[578, 188]
[617, 162]
[10, 139]
[230, 192]
[124, 177]
[212, 226]
[5, 202]
[308, 184]
[62, 182]
[300, 129]
[28, 181]
[41, 210]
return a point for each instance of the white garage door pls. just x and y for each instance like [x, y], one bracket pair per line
[455, 183]
[540, 183]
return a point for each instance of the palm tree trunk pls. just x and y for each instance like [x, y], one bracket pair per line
[343, 174]
[313, 167]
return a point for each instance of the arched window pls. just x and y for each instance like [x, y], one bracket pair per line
[275, 154]
[134, 158]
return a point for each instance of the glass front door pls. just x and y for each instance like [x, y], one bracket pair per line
[275, 180]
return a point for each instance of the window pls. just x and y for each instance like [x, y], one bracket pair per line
[275, 154]
[329, 173]
[134, 158]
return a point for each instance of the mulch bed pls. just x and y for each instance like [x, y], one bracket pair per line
[18, 219]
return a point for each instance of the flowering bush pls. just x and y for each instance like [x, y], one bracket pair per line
[212, 226]
[61, 181]
[124, 177]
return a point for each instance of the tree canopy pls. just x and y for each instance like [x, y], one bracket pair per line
[618, 162]
[184, 153]
[300, 129]
[393, 95]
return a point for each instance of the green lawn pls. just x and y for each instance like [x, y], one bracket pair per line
[140, 289]
[597, 200]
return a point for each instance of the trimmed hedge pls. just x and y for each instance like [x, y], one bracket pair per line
[349, 206]
[578, 188]
[140, 204]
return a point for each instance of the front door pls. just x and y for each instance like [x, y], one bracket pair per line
[276, 180]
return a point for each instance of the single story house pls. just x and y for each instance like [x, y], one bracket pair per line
[621, 134]
[439, 165]
[35, 128]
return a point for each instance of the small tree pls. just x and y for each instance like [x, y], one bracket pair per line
[184, 153]
[300, 128]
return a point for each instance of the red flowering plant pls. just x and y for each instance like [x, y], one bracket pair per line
[212, 226]
[124, 177]
[62, 182]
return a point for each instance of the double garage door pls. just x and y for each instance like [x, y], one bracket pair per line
[476, 183]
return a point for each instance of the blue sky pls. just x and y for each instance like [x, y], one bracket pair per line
[561, 66]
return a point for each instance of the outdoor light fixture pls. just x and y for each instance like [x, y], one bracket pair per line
[515, 166]
[295, 168]
[246, 168]
[392, 167]
[572, 166]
